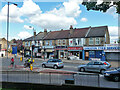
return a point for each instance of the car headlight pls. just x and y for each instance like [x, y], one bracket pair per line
[106, 74]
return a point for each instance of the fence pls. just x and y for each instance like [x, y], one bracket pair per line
[50, 77]
[57, 78]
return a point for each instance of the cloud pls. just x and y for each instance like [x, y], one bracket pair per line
[27, 27]
[112, 11]
[113, 32]
[30, 8]
[58, 18]
[53, 19]
[24, 34]
[14, 14]
[84, 20]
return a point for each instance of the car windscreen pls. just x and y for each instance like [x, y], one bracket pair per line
[118, 68]
[59, 60]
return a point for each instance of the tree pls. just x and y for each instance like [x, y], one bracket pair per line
[104, 6]
[119, 40]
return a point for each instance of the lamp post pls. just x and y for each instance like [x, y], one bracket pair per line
[33, 40]
[8, 25]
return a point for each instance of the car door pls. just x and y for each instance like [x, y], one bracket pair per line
[89, 66]
[96, 66]
[49, 63]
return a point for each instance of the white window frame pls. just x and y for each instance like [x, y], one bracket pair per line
[59, 42]
[64, 42]
[91, 42]
[97, 42]
[84, 41]
[74, 41]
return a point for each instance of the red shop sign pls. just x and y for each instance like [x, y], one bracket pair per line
[75, 48]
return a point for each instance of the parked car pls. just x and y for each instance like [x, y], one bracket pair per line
[95, 66]
[113, 74]
[73, 57]
[55, 63]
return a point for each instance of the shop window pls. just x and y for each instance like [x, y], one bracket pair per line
[97, 41]
[91, 41]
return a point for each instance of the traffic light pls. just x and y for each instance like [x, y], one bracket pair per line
[39, 50]
[22, 47]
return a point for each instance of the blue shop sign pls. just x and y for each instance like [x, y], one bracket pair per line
[101, 48]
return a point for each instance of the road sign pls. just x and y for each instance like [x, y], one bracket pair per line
[14, 50]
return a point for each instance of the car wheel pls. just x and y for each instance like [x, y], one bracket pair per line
[43, 66]
[82, 69]
[116, 78]
[102, 71]
[55, 67]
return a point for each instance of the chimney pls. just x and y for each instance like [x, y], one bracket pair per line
[71, 29]
[34, 33]
[61, 29]
[45, 32]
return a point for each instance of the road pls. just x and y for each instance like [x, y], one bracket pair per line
[85, 79]
[38, 63]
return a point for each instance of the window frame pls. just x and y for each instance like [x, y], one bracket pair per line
[91, 41]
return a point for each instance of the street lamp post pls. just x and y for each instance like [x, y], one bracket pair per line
[33, 39]
[8, 25]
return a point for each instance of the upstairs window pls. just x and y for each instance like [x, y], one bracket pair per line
[64, 42]
[97, 41]
[59, 42]
[91, 41]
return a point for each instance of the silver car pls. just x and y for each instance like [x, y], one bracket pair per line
[95, 66]
[55, 63]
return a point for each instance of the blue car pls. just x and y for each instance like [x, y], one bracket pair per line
[113, 74]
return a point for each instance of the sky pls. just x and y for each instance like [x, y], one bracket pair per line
[53, 16]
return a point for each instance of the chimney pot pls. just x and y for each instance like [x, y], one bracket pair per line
[45, 32]
[71, 27]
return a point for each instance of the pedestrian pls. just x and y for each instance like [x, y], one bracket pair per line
[12, 61]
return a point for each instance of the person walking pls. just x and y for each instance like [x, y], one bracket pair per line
[12, 61]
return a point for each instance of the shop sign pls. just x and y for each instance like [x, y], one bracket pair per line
[75, 48]
[93, 48]
[102, 48]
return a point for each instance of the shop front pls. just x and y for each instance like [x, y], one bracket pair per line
[112, 52]
[94, 53]
[61, 52]
[75, 51]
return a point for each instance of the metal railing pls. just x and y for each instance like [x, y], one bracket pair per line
[57, 78]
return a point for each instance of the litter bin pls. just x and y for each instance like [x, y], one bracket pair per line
[1, 55]
[69, 81]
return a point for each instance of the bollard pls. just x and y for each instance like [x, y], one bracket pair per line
[31, 67]
[33, 60]
[21, 59]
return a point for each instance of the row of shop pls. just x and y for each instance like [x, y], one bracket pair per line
[108, 52]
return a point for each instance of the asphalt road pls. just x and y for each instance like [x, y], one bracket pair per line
[85, 79]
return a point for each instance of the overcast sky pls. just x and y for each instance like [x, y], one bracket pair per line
[53, 16]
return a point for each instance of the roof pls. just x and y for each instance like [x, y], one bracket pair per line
[97, 31]
[77, 33]
[39, 36]
[80, 33]
[65, 34]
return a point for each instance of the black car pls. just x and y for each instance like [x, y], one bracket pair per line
[113, 74]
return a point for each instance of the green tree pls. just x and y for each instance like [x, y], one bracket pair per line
[119, 40]
[104, 6]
